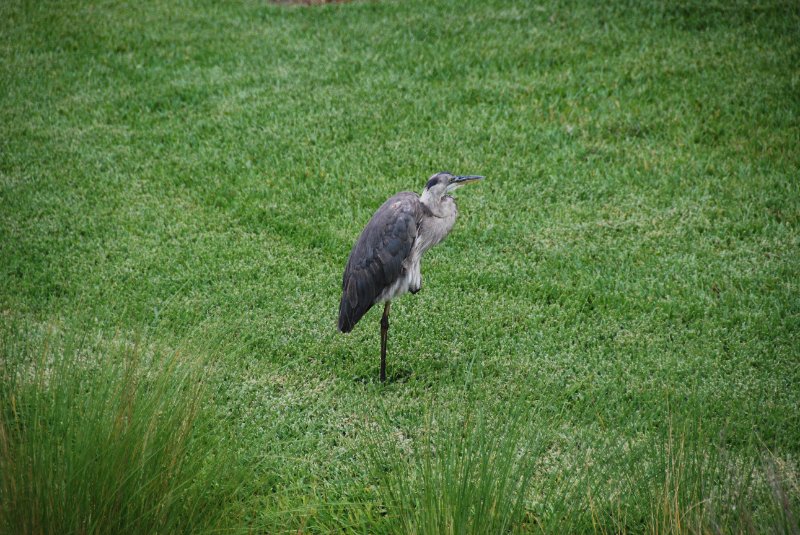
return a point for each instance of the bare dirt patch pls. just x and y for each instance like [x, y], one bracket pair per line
[309, 2]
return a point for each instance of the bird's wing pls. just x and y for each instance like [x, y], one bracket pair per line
[376, 260]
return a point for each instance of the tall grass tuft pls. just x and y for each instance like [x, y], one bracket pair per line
[108, 439]
[475, 475]
[685, 481]
[466, 475]
[698, 485]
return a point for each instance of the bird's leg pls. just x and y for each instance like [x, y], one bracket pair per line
[384, 336]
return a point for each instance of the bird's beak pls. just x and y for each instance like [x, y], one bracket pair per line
[458, 181]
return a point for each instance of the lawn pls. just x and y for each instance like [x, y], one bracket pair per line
[608, 341]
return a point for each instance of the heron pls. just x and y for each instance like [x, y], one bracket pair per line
[385, 260]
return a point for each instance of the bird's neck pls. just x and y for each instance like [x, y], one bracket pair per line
[436, 223]
[442, 206]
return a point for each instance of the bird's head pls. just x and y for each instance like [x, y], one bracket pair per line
[443, 183]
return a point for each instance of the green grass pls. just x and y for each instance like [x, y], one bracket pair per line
[192, 175]
[112, 438]
[468, 475]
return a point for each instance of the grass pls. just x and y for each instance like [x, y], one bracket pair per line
[468, 476]
[111, 439]
[470, 473]
[194, 174]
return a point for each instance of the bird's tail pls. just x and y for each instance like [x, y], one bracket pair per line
[349, 315]
[346, 322]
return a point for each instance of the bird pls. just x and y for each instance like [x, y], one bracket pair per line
[384, 262]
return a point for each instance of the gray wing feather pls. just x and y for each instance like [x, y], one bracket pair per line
[376, 260]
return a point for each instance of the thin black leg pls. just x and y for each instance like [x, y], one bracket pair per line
[384, 337]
